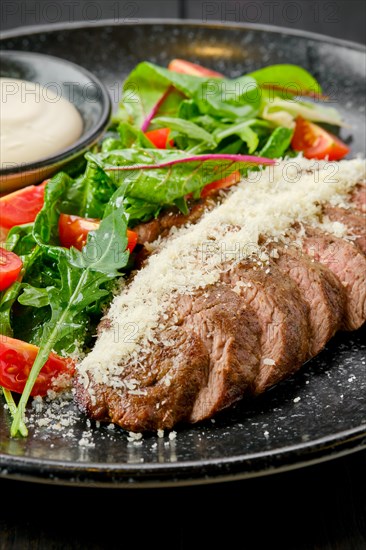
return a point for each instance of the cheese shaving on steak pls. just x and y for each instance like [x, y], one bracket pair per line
[267, 202]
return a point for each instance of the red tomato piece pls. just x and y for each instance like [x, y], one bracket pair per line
[16, 360]
[317, 143]
[132, 237]
[223, 183]
[21, 206]
[74, 230]
[160, 137]
[186, 67]
[10, 268]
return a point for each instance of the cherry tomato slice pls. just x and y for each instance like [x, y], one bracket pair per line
[186, 67]
[16, 360]
[223, 183]
[317, 143]
[21, 206]
[160, 137]
[74, 230]
[10, 267]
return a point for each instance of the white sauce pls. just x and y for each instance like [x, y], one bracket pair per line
[35, 122]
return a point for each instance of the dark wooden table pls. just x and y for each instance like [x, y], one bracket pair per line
[321, 507]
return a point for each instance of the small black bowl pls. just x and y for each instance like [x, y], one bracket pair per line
[71, 82]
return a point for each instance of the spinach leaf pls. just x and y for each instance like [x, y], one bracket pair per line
[289, 77]
[277, 144]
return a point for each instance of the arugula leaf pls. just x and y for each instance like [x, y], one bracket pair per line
[33, 296]
[83, 279]
[88, 195]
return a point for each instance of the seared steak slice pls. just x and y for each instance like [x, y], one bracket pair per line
[348, 263]
[231, 334]
[352, 219]
[200, 365]
[148, 232]
[319, 287]
[156, 395]
[358, 197]
[283, 317]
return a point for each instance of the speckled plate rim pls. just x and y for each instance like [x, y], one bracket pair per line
[33, 29]
[123, 475]
[173, 474]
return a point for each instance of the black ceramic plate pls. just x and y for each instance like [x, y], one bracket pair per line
[316, 415]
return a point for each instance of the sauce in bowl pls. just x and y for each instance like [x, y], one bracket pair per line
[36, 122]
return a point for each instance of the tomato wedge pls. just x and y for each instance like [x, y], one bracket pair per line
[21, 206]
[160, 137]
[186, 67]
[16, 360]
[74, 230]
[10, 267]
[317, 143]
[223, 183]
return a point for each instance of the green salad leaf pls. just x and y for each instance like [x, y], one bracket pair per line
[84, 277]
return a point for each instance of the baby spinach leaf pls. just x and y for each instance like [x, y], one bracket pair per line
[288, 77]
[278, 143]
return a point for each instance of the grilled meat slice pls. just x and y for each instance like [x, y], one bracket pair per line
[353, 219]
[358, 197]
[202, 363]
[283, 317]
[348, 263]
[319, 287]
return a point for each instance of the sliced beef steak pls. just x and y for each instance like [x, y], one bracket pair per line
[358, 197]
[348, 263]
[319, 287]
[231, 334]
[354, 221]
[205, 362]
[282, 314]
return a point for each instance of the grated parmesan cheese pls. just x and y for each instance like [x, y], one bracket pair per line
[267, 202]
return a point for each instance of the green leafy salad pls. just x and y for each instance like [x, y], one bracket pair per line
[178, 134]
